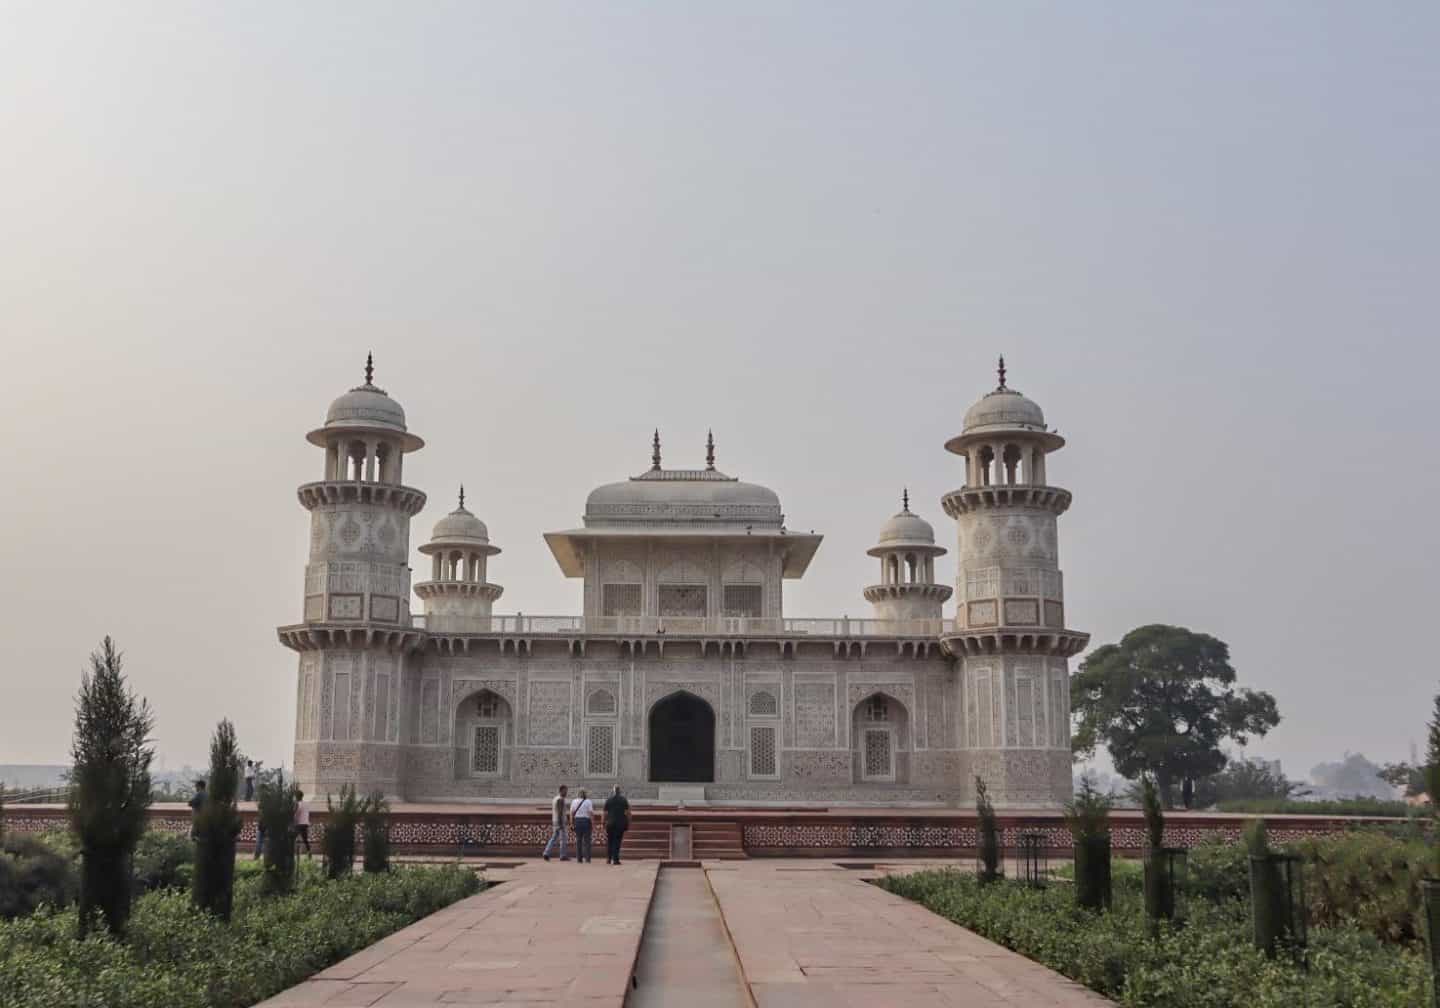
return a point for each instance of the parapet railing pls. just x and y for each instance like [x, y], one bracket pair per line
[521, 624]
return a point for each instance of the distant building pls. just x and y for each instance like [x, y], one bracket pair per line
[681, 676]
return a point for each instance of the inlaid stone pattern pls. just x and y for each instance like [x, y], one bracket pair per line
[814, 715]
[549, 713]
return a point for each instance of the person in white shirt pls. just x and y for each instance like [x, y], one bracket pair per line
[582, 811]
[302, 820]
[559, 814]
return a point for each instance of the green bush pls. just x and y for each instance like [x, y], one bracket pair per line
[1292, 806]
[377, 833]
[176, 955]
[1209, 963]
[33, 875]
[162, 861]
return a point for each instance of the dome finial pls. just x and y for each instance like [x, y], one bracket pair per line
[905, 499]
[369, 368]
[462, 496]
[1001, 371]
[710, 450]
[655, 452]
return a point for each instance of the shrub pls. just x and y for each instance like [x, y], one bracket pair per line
[176, 955]
[338, 842]
[1088, 817]
[1342, 807]
[1207, 964]
[32, 875]
[377, 833]
[276, 805]
[162, 861]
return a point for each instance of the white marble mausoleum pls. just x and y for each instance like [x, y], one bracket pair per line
[681, 670]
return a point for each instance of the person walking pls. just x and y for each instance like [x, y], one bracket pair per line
[559, 816]
[617, 821]
[583, 814]
[302, 820]
[250, 780]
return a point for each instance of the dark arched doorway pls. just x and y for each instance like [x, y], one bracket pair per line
[682, 740]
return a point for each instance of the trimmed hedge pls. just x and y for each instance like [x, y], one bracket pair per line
[1208, 963]
[178, 956]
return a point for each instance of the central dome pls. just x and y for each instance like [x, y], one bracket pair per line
[685, 497]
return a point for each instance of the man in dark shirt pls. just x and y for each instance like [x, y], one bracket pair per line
[196, 801]
[617, 821]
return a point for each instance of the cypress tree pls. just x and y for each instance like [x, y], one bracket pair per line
[109, 788]
[217, 827]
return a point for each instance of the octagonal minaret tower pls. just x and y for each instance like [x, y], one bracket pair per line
[907, 590]
[457, 597]
[356, 625]
[1009, 631]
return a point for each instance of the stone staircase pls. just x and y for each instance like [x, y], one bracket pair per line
[718, 841]
[648, 839]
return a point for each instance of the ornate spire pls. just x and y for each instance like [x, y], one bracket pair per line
[710, 450]
[369, 368]
[655, 452]
[1001, 371]
[905, 499]
[462, 496]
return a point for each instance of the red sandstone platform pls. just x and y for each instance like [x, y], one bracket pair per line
[715, 832]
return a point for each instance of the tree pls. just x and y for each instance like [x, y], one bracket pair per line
[109, 788]
[1406, 777]
[1245, 779]
[1432, 758]
[217, 827]
[1162, 701]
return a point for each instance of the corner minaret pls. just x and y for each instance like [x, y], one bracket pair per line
[907, 591]
[1009, 631]
[457, 597]
[356, 625]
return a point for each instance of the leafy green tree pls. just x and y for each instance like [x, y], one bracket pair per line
[217, 827]
[1432, 758]
[109, 788]
[1162, 701]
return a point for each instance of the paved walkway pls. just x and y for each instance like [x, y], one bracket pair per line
[806, 934]
[552, 934]
[810, 935]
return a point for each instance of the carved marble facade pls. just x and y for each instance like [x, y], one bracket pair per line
[682, 580]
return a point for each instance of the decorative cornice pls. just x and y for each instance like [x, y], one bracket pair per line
[1035, 496]
[1012, 640]
[464, 589]
[407, 500]
[350, 637]
[883, 592]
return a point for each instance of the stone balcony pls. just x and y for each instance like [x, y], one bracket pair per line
[524, 625]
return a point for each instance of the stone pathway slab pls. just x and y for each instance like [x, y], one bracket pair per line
[828, 939]
[556, 934]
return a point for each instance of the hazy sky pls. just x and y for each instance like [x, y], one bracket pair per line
[1205, 238]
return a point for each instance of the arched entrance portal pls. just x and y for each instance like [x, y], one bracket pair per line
[682, 740]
